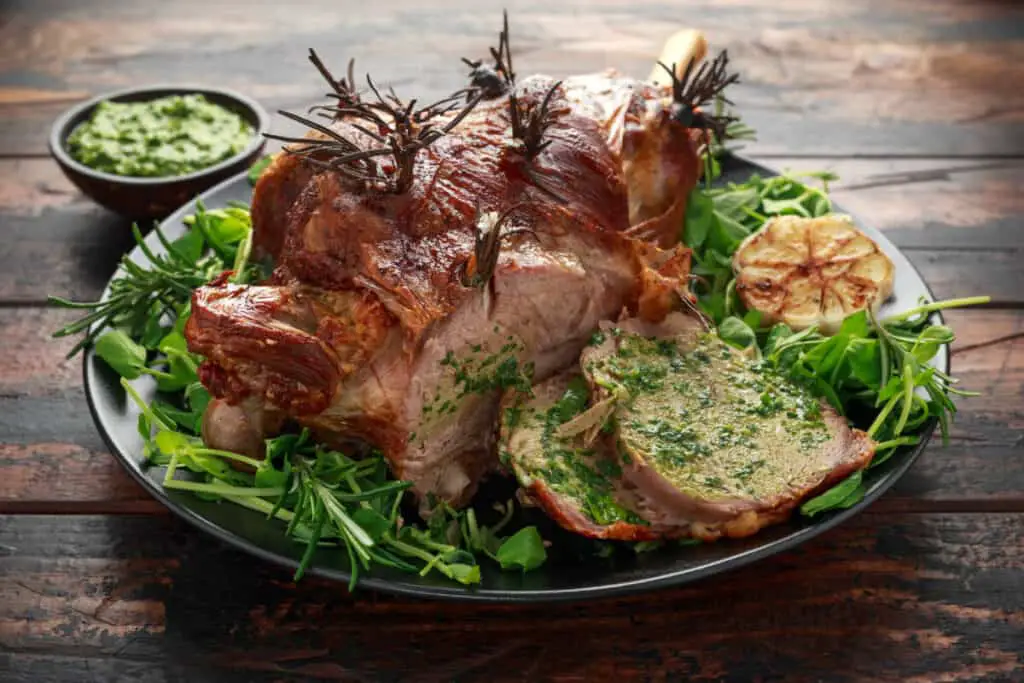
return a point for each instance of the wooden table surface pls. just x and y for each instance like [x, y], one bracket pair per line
[916, 104]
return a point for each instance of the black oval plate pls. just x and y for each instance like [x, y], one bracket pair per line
[563, 577]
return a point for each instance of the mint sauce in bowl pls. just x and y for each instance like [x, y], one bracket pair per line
[145, 151]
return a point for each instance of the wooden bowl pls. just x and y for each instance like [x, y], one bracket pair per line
[146, 198]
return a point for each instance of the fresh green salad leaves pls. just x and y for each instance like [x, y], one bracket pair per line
[846, 494]
[740, 332]
[876, 372]
[122, 353]
[522, 550]
[146, 298]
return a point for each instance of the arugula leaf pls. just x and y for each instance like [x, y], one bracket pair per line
[725, 236]
[197, 398]
[753, 319]
[181, 365]
[257, 169]
[374, 523]
[122, 353]
[523, 549]
[190, 245]
[856, 325]
[786, 207]
[185, 419]
[736, 202]
[699, 219]
[713, 305]
[464, 573]
[777, 333]
[864, 362]
[846, 494]
[172, 443]
[226, 226]
[736, 332]
[267, 476]
[927, 344]
[153, 331]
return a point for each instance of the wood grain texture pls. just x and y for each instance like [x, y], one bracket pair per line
[52, 459]
[878, 77]
[928, 598]
[58, 242]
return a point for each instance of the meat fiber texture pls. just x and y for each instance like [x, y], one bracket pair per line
[367, 331]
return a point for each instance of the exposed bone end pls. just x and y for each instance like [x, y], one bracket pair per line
[682, 48]
[237, 429]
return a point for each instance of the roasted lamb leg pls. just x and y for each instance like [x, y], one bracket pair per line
[413, 286]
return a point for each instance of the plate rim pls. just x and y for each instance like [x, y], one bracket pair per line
[481, 594]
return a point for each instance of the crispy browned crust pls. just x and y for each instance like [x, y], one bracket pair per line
[275, 193]
[409, 247]
[280, 344]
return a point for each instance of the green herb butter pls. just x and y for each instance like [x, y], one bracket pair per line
[714, 423]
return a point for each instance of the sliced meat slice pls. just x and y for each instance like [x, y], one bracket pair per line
[575, 484]
[710, 440]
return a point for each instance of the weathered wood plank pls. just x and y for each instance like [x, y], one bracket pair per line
[31, 668]
[917, 202]
[52, 459]
[80, 268]
[839, 78]
[58, 242]
[883, 598]
[35, 668]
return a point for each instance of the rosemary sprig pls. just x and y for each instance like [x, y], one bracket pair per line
[141, 294]
[697, 89]
[478, 271]
[735, 131]
[530, 121]
[399, 128]
[344, 89]
[494, 80]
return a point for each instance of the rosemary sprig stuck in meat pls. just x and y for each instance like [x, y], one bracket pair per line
[344, 89]
[398, 128]
[695, 90]
[478, 270]
[493, 81]
[530, 120]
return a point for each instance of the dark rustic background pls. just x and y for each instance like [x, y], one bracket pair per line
[917, 104]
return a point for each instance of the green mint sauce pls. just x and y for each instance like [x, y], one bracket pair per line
[169, 136]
